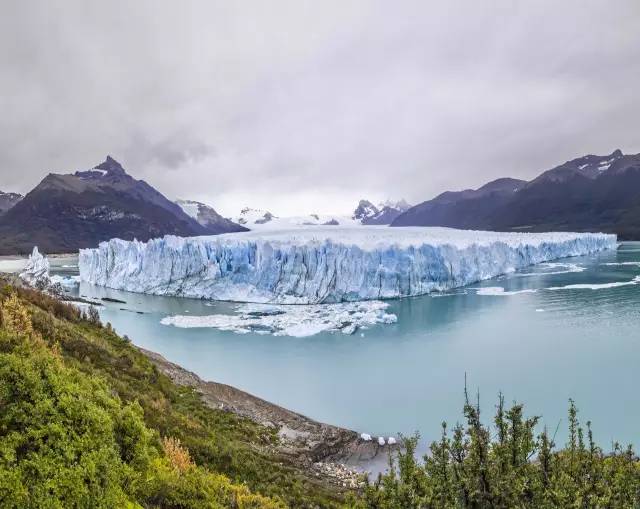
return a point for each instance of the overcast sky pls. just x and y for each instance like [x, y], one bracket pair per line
[302, 107]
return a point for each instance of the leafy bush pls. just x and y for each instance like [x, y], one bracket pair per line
[508, 466]
[67, 440]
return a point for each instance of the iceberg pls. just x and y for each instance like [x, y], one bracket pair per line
[296, 321]
[36, 271]
[324, 264]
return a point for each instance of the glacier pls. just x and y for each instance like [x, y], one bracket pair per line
[324, 264]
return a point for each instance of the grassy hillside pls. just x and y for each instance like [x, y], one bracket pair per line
[87, 421]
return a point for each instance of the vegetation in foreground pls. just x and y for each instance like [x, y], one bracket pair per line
[508, 466]
[86, 420]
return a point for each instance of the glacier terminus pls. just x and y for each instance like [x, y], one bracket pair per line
[324, 264]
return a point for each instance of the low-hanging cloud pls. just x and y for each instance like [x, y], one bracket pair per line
[308, 106]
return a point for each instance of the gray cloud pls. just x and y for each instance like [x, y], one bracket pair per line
[308, 106]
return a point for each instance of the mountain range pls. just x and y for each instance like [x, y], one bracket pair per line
[590, 193]
[8, 200]
[66, 212]
[385, 213]
[366, 213]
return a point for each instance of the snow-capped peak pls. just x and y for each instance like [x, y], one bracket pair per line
[367, 213]
[249, 217]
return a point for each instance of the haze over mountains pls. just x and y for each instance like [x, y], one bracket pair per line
[590, 193]
[64, 213]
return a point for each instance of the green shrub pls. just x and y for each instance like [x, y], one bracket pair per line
[507, 466]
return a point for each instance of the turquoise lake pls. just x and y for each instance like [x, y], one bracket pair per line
[538, 347]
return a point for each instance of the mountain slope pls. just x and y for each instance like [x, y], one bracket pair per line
[588, 193]
[67, 212]
[369, 214]
[8, 200]
[90, 417]
[207, 217]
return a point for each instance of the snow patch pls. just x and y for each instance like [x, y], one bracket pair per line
[189, 207]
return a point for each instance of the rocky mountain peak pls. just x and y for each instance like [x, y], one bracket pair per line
[110, 165]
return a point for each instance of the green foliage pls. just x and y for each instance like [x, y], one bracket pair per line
[508, 466]
[85, 418]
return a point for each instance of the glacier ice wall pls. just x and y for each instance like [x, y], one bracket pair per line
[324, 264]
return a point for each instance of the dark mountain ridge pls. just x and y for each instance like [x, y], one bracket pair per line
[8, 200]
[596, 193]
[65, 213]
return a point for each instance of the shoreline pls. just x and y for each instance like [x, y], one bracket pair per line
[331, 451]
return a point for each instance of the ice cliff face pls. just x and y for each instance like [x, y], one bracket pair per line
[37, 269]
[324, 264]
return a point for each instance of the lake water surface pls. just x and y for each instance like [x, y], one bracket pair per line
[539, 347]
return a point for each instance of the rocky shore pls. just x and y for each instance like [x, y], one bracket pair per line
[336, 454]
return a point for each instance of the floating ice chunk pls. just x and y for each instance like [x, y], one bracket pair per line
[381, 441]
[499, 291]
[366, 437]
[622, 264]
[324, 263]
[297, 321]
[564, 268]
[391, 441]
[65, 281]
[597, 286]
[539, 310]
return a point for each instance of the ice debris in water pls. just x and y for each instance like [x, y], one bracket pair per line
[498, 291]
[298, 321]
[324, 264]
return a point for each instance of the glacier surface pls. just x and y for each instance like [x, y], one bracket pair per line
[324, 264]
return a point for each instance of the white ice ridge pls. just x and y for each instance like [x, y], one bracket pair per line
[324, 264]
[36, 269]
[297, 321]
